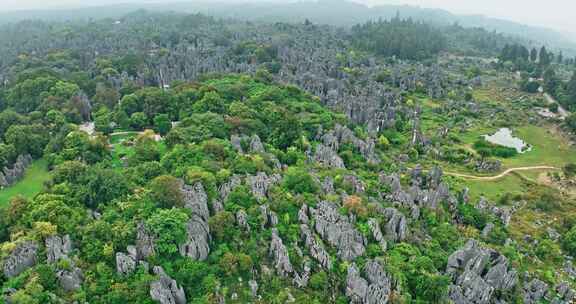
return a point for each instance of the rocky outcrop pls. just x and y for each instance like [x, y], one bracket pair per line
[144, 242]
[256, 145]
[502, 213]
[487, 230]
[570, 269]
[166, 290]
[269, 217]
[236, 142]
[377, 233]
[57, 248]
[198, 232]
[279, 254]
[327, 185]
[261, 183]
[126, 263]
[477, 273]
[488, 165]
[70, 280]
[380, 287]
[301, 279]
[20, 259]
[354, 183]
[356, 286]
[342, 135]
[425, 191]
[327, 157]
[396, 227]
[565, 293]
[376, 290]
[303, 215]
[225, 189]
[338, 231]
[242, 220]
[13, 174]
[196, 199]
[534, 291]
[314, 247]
[253, 288]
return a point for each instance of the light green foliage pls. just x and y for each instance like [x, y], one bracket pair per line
[169, 228]
[569, 241]
[299, 181]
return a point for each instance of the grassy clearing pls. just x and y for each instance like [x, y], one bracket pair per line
[548, 148]
[494, 190]
[121, 150]
[31, 185]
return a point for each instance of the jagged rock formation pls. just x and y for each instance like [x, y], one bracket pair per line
[477, 273]
[354, 183]
[242, 220]
[303, 214]
[269, 217]
[144, 242]
[10, 176]
[327, 157]
[70, 279]
[565, 293]
[126, 263]
[338, 231]
[20, 259]
[58, 248]
[253, 288]
[166, 290]
[425, 191]
[327, 185]
[377, 233]
[488, 165]
[534, 291]
[279, 254]
[487, 229]
[396, 228]
[503, 213]
[356, 286]
[256, 145]
[342, 135]
[261, 183]
[301, 279]
[314, 247]
[376, 290]
[197, 246]
[225, 189]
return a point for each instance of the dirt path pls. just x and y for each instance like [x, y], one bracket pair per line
[501, 175]
[561, 111]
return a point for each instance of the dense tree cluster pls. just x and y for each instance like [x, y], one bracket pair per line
[405, 39]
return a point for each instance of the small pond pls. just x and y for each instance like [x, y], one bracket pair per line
[505, 138]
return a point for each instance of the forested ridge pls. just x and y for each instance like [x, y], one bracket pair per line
[201, 160]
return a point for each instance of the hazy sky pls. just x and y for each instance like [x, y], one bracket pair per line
[558, 14]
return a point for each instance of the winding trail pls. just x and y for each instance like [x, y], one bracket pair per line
[501, 175]
[561, 111]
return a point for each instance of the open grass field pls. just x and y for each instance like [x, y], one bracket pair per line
[31, 185]
[494, 190]
[549, 148]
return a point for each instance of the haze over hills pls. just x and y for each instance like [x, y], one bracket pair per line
[333, 12]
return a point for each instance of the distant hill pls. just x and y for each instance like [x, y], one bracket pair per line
[333, 12]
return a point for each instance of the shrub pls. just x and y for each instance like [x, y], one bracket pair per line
[299, 181]
[165, 191]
